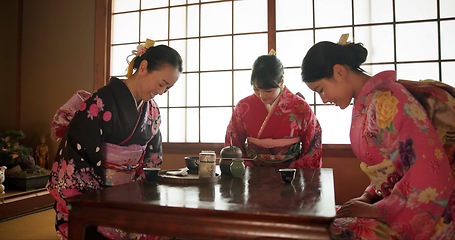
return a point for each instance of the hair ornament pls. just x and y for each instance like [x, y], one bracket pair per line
[343, 39]
[272, 52]
[140, 49]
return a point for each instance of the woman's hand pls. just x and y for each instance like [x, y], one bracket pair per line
[357, 208]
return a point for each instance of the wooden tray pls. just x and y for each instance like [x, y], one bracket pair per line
[188, 179]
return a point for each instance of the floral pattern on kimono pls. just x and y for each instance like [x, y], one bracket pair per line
[403, 156]
[107, 122]
[287, 136]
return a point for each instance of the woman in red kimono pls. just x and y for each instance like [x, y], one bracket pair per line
[409, 163]
[113, 135]
[273, 126]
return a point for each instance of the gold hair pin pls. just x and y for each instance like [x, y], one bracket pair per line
[343, 39]
[272, 52]
[140, 49]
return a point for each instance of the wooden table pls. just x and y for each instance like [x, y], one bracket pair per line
[257, 206]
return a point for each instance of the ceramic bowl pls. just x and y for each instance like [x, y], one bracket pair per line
[192, 163]
[287, 174]
[151, 174]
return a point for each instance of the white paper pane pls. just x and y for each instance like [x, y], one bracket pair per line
[247, 48]
[192, 89]
[164, 126]
[332, 13]
[448, 73]
[250, 16]
[216, 88]
[378, 40]
[293, 81]
[334, 132]
[448, 39]
[292, 47]
[193, 21]
[124, 5]
[177, 22]
[119, 55]
[415, 10]
[417, 41]
[294, 14]
[154, 24]
[216, 19]
[181, 2]
[214, 122]
[146, 4]
[242, 86]
[373, 11]
[191, 62]
[216, 53]
[181, 47]
[122, 31]
[332, 34]
[177, 118]
[447, 8]
[418, 71]
[375, 69]
[192, 125]
[177, 96]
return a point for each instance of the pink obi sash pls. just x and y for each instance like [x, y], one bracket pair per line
[122, 163]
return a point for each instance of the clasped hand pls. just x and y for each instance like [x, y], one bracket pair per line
[358, 208]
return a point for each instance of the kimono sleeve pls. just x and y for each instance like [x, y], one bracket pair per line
[87, 130]
[418, 199]
[310, 137]
[154, 152]
[236, 127]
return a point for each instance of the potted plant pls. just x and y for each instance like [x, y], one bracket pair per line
[22, 173]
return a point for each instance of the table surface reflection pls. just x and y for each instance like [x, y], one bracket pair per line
[259, 205]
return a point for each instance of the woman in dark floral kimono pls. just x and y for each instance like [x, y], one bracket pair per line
[114, 134]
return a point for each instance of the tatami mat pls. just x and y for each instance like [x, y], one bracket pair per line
[35, 226]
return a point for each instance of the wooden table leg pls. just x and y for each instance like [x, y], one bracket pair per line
[76, 229]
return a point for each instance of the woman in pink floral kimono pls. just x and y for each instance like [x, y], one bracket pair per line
[113, 135]
[273, 126]
[411, 194]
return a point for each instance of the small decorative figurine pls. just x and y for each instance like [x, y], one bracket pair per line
[2, 179]
[42, 153]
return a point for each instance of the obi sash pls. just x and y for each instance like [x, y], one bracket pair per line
[292, 146]
[122, 163]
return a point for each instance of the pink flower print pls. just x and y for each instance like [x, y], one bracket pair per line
[70, 170]
[54, 167]
[99, 103]
[93, 111]
[422, 225]
[405, 187]
[70, 192]
[107, 116]
[82, 106]
[62, 171]
[154, 112]
[363, 228]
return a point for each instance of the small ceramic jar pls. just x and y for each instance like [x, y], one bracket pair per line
[237, 167]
